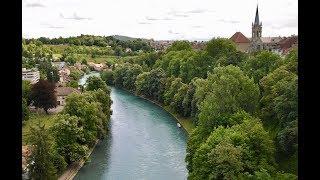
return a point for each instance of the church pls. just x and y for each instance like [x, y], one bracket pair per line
[279, 45]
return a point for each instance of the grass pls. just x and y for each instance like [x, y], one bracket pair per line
[47, 120]
[185, 122]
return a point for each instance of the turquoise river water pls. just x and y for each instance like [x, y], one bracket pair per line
[144, 143]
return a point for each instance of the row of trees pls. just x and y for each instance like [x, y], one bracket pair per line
[244, 106]
[85, 119]
[90, 40]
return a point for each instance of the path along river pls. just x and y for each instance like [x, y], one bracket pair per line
[144, 143]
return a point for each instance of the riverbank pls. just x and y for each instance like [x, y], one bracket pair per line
[74, 168]
[186, 123]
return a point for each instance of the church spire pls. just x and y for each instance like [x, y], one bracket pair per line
[256, 19]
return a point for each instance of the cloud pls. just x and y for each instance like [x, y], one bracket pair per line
[144, 23]
[228, 21]
[47, 25]
[159, 19]
[197, 26]
[35, 5]
[171, 32]
[75, 17]
[196, 11]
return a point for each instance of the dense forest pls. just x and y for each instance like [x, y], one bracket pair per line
[244, 106]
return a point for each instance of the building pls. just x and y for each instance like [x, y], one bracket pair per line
[63, 92]
[256, 43]
[279, 45]
[241, 41]
[58, 65]
[96, 67]
[32, 75]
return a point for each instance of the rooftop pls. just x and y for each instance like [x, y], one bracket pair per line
[65, 91]
[238, 37]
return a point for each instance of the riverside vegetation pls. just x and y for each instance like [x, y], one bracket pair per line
[243, 106]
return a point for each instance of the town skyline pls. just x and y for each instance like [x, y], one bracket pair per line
[156, 20]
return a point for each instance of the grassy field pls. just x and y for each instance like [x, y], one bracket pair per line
[47, 120]
[185, 122]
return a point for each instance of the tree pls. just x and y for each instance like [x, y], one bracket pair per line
[40, 161]
[26, 91]
[67, 137]
[95, 83]
[25, 110]
[179, 46]
[172, 90]
[73, 84]
[220, 47]
[107, 76]
[230, 91]
[261, 64]
[229, 152]
[43, 95]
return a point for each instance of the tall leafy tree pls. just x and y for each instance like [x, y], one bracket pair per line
[43, 95]
[41, 161]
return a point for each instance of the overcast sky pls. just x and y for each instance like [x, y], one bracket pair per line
[157, 19]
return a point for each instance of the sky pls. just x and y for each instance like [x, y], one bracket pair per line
[157, 19]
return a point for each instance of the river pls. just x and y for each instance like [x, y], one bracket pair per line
[144, 143]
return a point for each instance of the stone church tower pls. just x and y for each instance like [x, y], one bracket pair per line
[256, 42]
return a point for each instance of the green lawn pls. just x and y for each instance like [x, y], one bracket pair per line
[47, 120]
[185, 122]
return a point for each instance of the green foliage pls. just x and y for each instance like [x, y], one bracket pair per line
[26, 91]
[67, 136]
[261, 64]
[229, 91]
[51, 73]
[219, 47]
[73, 84]
[172, 90]
[151, 84]
[179, 46]
[41, 159]
[125, 75]
[76, 74]
[25, 110]
[95, 83]
[107, 76]
[43, 95]
[229, 152]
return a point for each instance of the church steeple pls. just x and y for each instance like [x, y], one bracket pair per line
[256, 19]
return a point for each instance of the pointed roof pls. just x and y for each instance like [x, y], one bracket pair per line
[256, 19]
[238, 37]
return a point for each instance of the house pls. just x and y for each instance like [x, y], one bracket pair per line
[64, 75]
[59, 65]
[241, 41]
[96, 67]
[63, 92]
[32, 75]
[128, 50]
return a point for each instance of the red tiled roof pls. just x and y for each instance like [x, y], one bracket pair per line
[65, 91]
[238, 37]
[288, 42]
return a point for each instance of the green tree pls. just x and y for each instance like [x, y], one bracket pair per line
[95, 83]
[220, 47]
[261, 64]
[230, 91]
[107, 76]
[67, 137]
[179, 46]
[43, 95]
[25, 110]
[26, 91]
[40, 160]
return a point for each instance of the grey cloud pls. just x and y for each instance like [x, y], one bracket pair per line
[75, 17]
[158, 19]
[197, 26]
[228, 21]
[196, 11]
[35, 5]
[144, 23]
[171, 32]
[47, 25]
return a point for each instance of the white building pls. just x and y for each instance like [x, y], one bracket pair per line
[32, 75]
